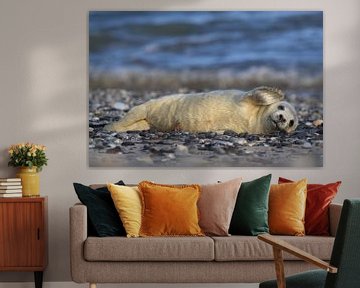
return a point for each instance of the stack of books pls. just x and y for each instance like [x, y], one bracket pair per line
[10, 187]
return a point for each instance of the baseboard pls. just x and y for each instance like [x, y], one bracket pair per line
[74, 285]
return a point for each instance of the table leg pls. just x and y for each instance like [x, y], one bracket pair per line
[38, 279]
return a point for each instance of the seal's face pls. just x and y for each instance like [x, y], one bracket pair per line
[283, 117]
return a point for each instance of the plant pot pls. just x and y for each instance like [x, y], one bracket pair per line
[30, 181]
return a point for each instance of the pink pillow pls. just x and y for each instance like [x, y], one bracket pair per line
[216, 205]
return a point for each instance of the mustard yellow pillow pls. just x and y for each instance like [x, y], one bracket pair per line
[169, 210]
[127, 201]
[287, 204]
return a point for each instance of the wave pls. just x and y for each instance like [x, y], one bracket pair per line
[201, 40]
[189, 81]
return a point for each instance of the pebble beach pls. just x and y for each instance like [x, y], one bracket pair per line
[303, 148]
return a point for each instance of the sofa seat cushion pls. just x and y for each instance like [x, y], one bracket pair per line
[149, 249]
[244, 248]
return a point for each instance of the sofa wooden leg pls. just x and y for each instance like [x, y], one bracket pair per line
[92, 285]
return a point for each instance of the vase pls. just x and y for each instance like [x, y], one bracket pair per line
[30, 181]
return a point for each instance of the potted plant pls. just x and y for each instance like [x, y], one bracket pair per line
[30, 158]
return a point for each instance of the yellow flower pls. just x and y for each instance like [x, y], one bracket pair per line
[27, 152]
[40, 147]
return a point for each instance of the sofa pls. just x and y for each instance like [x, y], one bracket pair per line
[233, 259]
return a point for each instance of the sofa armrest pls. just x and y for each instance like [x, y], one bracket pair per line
[78, 235]
[334, 217]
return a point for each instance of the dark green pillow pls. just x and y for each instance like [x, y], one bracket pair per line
[103, 218]
[250, 216]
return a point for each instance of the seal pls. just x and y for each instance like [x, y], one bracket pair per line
[258, 111]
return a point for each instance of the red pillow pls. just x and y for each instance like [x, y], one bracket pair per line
[319, 197]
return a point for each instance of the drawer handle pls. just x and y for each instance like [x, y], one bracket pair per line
[38, 234]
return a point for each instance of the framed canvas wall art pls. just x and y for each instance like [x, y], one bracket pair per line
[246, 89]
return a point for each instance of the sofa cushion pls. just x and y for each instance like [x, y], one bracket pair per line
[318, 199]
[287, 204]
[216, 206]
[127, 201]
[169, 210]
[250, 215]
[102, 216]
[149, 249]
[245, 248]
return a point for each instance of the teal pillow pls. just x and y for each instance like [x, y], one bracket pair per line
[250, 216]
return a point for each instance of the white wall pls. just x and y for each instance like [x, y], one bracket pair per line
[43, 90]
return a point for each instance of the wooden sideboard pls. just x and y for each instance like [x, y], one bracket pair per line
[23, 235]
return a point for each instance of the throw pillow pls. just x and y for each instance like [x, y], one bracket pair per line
[169, 210]
[216, 205]
[102, 215]
[287, 204]
[250, 215]
[127, 201]
[319, 197]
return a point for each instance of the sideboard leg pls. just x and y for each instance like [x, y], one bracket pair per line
[38, 279]
[92, 285]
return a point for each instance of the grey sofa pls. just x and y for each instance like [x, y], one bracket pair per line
[234, 259]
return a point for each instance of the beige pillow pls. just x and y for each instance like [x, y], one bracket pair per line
[216, 205]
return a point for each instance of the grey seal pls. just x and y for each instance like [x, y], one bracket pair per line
[258, 111]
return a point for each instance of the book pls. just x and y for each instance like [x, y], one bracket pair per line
[10, 180]
[4, 195]
[10, 183]
[10, 191]
[10, 187]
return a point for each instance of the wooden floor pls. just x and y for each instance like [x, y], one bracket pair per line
[74, 285]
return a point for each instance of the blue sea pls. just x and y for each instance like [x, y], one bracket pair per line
[234, 41]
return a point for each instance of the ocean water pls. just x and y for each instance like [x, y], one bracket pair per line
[231, 41]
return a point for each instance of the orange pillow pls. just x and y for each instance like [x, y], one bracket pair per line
[319, 197]
[287, 204]
[169, 210]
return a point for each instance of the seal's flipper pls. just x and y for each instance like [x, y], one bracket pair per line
[264, 96]
[134, 120]
[137, 126]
